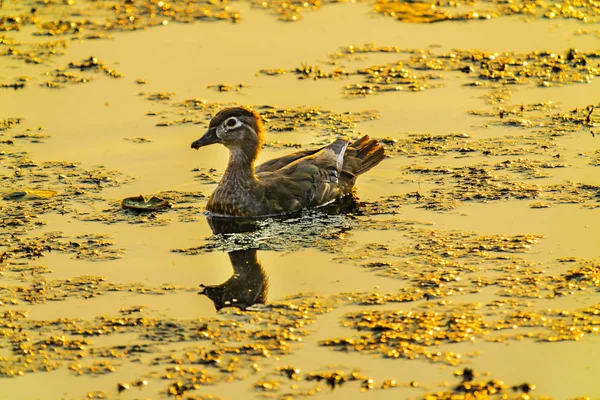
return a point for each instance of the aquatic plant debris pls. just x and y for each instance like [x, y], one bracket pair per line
[139, 203]
[327, 123]
[484, 388]
[123, 15]
[422, 69]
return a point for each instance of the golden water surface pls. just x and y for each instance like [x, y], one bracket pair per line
[474, 246]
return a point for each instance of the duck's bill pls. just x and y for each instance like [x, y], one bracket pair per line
[210, 137]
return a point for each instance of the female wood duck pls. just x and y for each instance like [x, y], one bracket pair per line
[305, 179]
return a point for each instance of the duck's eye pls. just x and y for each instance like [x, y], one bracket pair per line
[231, 122]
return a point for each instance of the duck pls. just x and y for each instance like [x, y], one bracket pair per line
[285, 185]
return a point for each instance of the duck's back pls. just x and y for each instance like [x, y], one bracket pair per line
[318, 177]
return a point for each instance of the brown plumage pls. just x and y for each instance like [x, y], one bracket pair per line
[305, 179]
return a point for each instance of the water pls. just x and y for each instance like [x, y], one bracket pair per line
[340, 261]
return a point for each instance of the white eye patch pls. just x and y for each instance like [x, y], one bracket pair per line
[231, 123]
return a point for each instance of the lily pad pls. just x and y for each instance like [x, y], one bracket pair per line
[17, 195]
[139, 203]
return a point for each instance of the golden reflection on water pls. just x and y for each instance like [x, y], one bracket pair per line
[462, 260]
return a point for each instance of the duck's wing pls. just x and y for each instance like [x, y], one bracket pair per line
[280, 162]
[309, 181]
[360, 156]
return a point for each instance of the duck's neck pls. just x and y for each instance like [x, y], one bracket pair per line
[240, 165]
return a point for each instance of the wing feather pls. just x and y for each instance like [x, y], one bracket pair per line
[310, 179]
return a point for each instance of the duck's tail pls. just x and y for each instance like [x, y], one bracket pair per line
[369, 151]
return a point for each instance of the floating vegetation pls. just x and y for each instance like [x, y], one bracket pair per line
[32, 189]
[29, 195]
[158, 96]
[435, 276]
[540, 204]
[319, 230]
[417, 334]
[558, 325]
[538, 118]
[481, 69]
[315, 119]
[296, 383]
[14, 85]
[437, 263]
[539, 284]
[207, 175]
[120, 15]
[9, 123]
[483, 388]
[224, 347]
[61, 77]
[411, 334]
[326, 123]
[228, 88]
[140, 140]
[375, 79]
[419, 145]
[137, 210]
[113, 15]
[429, 12]
[85, 247]
[32, 136]
[95, 65]
[96, 368]
[139, 203]
[32, 53]
[424, 12]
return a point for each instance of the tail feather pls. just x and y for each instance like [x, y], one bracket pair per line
[369, 151]
[339, 149]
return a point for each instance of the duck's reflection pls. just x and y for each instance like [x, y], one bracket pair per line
[249, 283]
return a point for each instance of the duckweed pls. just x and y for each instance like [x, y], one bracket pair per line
[491, 70]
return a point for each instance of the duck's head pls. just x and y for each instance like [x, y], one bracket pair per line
[236, 128]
